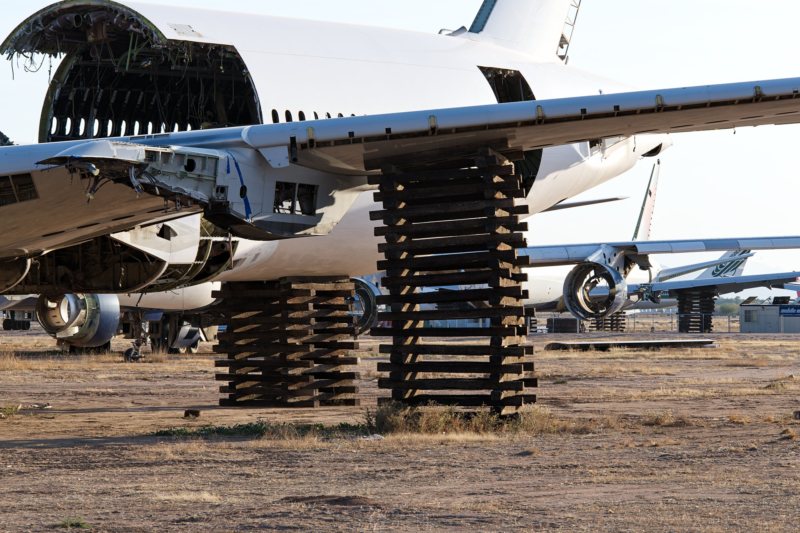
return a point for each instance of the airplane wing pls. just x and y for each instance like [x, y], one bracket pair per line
[26, 304]
[720, 285]
[639, 250]
[345, 149]
[425, 138]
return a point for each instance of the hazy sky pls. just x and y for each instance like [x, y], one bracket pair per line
[713, 184]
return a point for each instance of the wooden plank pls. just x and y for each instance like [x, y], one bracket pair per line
[437, 192]
[453, 314]
[455, 243]
[453, 227]
[466, 295]
[477, 259]
[444, 384]
[455, 367]
[392, 179]
[425, 331]
[465, 400]
[457, 350]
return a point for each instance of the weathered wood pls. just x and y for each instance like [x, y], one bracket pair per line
[455, 367]
[288, 343]
[458, 229]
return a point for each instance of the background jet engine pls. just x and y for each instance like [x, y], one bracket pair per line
[594, 290]
[80, 320]
[365, 305]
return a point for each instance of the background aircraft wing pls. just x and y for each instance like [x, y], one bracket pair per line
[578, 253]
[721, 285]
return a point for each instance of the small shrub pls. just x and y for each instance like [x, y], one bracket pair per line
[74, 523]
[398, 418]
[664, 419]
[739, 419]
[8, 411]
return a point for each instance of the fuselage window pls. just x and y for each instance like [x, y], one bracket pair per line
[316, 116]
[301, 116]
[288, 116]
[276, 118]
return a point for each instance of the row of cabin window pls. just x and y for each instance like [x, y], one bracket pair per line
[301, 116]
[111, 128]
[149, 128]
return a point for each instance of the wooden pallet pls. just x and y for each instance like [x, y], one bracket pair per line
[458, 229]
[616, 322]
[288, 343]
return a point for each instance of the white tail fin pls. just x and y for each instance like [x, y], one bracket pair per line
[542, 28]
[732, 268]
[645, 222]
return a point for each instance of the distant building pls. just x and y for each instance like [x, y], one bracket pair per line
[769, 318]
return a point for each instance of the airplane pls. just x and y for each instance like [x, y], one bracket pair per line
[657, 287]
[184, 146]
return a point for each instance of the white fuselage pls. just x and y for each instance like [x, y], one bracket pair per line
[365, 70]
[306, 69]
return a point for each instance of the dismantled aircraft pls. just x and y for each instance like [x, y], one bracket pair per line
[180, 146]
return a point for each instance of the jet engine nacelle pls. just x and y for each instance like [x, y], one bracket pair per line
[80, 320]
[365, 305]
[594, 290]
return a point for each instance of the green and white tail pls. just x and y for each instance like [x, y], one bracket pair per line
[730, 269]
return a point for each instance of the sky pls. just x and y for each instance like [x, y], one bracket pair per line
[716, 184]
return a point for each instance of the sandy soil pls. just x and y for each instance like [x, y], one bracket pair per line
[683, 440]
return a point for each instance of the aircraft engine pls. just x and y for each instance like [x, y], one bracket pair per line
[80, 320]
[365, 305]
[594, 290]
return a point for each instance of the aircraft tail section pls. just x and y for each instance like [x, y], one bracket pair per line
[734, 267]
[542, 28]
[645, 221]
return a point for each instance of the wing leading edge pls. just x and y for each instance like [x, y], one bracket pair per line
[348, 148]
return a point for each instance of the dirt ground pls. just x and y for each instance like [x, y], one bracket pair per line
[679, 440]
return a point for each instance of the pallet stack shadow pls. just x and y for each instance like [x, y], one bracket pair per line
[288, 343]
[451, 253]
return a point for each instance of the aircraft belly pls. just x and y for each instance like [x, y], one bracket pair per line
[61, 214]
[186, 298]
[350, 249]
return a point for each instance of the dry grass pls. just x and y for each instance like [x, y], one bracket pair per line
[665, 419]
[739, 419]
[10, 362]
[666, 393]
[397, 419]
[188, 497]
[8, 411]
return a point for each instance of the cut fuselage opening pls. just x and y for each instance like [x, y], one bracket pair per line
[121, 77]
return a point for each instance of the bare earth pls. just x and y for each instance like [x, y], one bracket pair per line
[682, 440]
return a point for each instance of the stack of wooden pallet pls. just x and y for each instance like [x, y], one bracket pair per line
[288, 343]
[451, 242]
